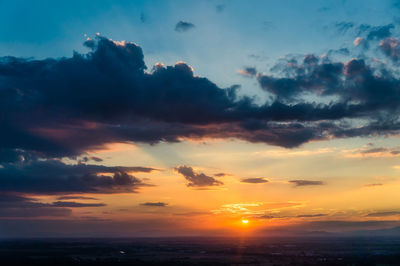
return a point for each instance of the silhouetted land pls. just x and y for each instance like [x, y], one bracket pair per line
[202, 251]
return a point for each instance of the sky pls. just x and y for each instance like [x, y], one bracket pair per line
[188, 118]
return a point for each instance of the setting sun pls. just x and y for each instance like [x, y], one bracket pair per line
[244, 221]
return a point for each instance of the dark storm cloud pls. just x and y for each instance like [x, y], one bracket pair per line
[154, 204]
[301, 183]
[197, 179]
[56, 177]
[255, 180]
[183, 26]
[80, 103]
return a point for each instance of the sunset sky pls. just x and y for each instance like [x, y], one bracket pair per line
[181, 118]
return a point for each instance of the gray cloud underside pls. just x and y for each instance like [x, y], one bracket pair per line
[301, 182]
[80, 103]
[155, 204]
[183, 26]
[56, 177]
[12, 205]
[383, 214]
[197, 179]
[255, 180]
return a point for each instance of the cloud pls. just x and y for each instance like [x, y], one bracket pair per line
[255, 180]
[83, 102]
[282, 205]
[72, 204]
[96, 159]
[15, 205]
[155, 204]
[383, 214]
[310, 215]
[361, 42]
[262, 210]
[344, 26]
[390, 47]
[195, 179]
[56, 177]
[365, 32]
[191, 214]
[75, 197]
[183, 26]
[273, 216]
[377, 32]
[248, 72]
[374, 150]
[301, 183]
[34, 212]
[221, 174]
[12, 205]
[378, 152]
[373, 185]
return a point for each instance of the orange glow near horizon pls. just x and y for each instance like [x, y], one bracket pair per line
[236, 207]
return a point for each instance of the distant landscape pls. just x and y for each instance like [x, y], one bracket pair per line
[202, 251]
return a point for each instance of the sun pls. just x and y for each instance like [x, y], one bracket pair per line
[245, 221]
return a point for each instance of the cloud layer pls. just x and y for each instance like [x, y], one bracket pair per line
[83, 102]
[56, 177]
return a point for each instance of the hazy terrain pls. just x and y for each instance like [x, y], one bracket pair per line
[202, 251]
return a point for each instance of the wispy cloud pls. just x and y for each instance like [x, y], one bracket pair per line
[373, 185]
[302, 182]
[72, 204]
[383, 214]
[155, 204]
[255, 180]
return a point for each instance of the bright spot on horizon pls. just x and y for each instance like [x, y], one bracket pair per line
[244, 221]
